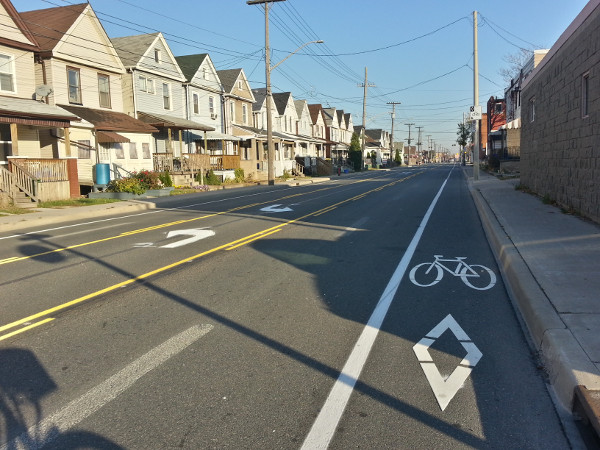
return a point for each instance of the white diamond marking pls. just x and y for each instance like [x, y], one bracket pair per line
[445, 388]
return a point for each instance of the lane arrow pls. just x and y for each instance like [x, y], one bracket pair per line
[194, 233]
[276, 209]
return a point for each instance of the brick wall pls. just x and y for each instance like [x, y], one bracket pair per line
[560, 149]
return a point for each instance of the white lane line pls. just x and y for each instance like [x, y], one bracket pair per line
[39, 435]
[327, 421]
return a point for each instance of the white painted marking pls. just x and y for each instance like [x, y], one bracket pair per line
[143, 245]
[42, 433]
[445, 388]
[275, 209]
[195, 233]
[327, 421]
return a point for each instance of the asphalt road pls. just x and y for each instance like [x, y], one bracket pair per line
[271, 317]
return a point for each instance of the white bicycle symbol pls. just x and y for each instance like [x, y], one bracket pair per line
[475, 276]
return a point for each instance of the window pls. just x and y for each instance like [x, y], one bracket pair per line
[585, 102]
[104, 90]
[239, 84]
[205, 73]
[74, 80]
[166, 96]
[119, 153]
[133, 150]
[146, 84]
[157, 56]
[245, 114]
[83, 149]
[498, 108]
[532, 109]
[7, 74]
[196, 106]
[146, 150]
[232, 111]
[211, 105]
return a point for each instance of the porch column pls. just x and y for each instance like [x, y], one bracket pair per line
[68, 142]
[14, 139]
[180, 143]
[169, 148]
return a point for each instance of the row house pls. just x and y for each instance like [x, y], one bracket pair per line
[237, 105]
[318, 129]
[28, 125]
[154, 91]
[378, 141]
[84, 75]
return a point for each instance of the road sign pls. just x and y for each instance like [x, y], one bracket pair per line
[475, 112]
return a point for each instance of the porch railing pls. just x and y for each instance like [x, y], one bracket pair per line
[44, 170]
[24, 180]
[7, 183]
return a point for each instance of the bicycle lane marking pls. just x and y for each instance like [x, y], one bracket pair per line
[326, 423]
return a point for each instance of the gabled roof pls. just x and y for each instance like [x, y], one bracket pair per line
[299, 106]
[228, 78]
[315, 109]
[18, 21]
[340, 115]
[329, 115]
[348, 118]
[259, 95]
[50, 25]
[281, 101]
[189, 64]
[110, 120]
[131, 49]
[374, 133]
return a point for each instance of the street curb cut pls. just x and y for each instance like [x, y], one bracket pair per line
[77, 213]
[566, 362]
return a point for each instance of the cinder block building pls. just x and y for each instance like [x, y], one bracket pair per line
[560, 138]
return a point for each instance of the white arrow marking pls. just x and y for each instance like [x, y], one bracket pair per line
[445, 389]
[275, 209]
[196, 235]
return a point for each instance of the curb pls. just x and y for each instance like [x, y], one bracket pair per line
[566, 362]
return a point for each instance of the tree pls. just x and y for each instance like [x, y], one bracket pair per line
[397, 158]
[355, 152]
[464, 137]
[516, 62]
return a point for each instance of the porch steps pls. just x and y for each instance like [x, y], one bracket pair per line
[182, 179]
[22, 200]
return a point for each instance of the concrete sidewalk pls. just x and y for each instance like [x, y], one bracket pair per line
[551, 266]
[45, 217]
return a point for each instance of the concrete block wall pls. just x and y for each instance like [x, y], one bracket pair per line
[560, 149]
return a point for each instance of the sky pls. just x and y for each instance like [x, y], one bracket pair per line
[418, 53]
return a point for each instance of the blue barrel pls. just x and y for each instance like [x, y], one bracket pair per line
[102, 173]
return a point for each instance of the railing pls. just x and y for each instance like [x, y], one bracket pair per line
[44, 170]
[162, 162]
[194, 162]
[24, 180]
[7, 183]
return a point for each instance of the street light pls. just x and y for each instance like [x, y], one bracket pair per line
[269, 95]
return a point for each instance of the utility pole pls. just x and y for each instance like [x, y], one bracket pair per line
[419, 140]
[409, 140]
[429, 141]
[392, 136]
[364, 85]
[475, 98]
[269, 95]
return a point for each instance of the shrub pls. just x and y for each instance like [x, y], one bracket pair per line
[165, 178]
[148, 179]
[212, 179]
[239, 175]
[131, 184]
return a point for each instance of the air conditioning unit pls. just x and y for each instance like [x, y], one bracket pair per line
[213, 116]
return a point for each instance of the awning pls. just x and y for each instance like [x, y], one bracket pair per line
[24, 111]
[216, 136]
[514, 124]
[165, 121]
[108, 137]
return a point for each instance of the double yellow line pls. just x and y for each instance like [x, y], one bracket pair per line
[27, 321]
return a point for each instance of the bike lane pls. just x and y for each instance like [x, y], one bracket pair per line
[450, 367]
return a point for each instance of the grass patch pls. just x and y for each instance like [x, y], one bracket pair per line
[12, 210]
[77, 202]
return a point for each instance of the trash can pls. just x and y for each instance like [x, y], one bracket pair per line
[102, 173]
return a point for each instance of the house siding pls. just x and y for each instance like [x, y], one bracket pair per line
[560, 155]
[24, 79]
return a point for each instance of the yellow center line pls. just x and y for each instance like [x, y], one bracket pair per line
[29, 327]
[228, 246]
